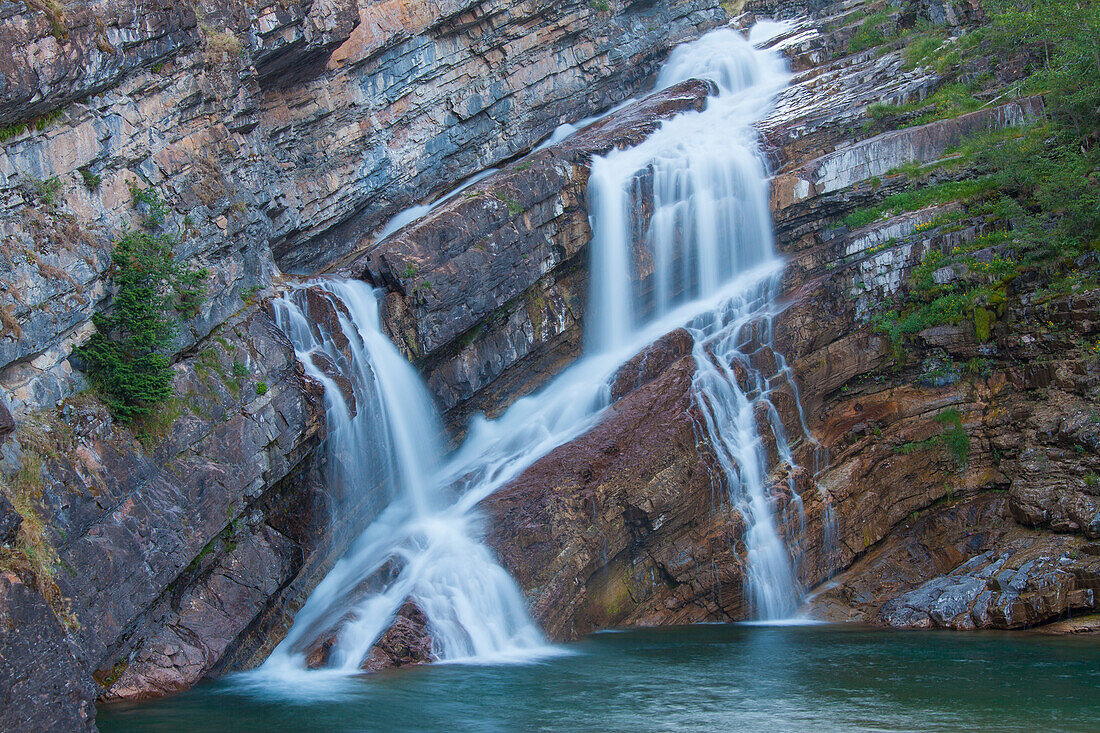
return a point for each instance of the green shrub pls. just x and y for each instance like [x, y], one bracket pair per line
[156, 208]
[261, 388]
[128, 357]
[871, 33]
[46, 191]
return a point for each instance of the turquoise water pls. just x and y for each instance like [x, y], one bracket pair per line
[699, 678]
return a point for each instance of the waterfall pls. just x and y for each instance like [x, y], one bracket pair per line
[707, 244]
[703, 259]
[420, 547]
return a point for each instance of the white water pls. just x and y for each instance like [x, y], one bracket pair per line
[707, 263]
[420, 547]
[414, 213]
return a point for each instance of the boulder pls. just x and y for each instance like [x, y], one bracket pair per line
[406, 642]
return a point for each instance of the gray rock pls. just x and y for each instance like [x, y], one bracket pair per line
[10, 521]
[42, 685]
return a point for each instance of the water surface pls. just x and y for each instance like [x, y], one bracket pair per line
[700, 678]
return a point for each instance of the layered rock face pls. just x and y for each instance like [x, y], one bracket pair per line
[910, 438]
[253, 135]
[169, 549]
[486, 292]
[985, 477]
[285, 136]
[626, 525]
[269, 133]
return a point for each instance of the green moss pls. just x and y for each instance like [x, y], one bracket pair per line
[983, 323]
[469, 337]
[536, 307]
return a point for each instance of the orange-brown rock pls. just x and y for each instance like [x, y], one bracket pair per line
[625, 525]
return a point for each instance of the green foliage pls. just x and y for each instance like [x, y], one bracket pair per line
[128, 356]
[190, 287]
[91, 180]
[411, 270]
[953, 438]
[7, 132]
[47, 190]
[261, 388]
[248, 295]
[920, 50]
[600, 6]
[154, 205]
[949, 101]
[1092, 480]
[38, 123]
[870, 34]
[1065, 35]
[919, 198]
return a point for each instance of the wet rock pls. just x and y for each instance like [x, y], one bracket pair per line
[624, 526]
[651, 362]
[406, 642]
[1021, 581]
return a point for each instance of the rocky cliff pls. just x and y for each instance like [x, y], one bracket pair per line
[261, 139]
[959, 481]
[948, 476]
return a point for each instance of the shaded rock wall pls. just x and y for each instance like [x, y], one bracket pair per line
[165, 551]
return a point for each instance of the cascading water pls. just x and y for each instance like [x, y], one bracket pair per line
[708, 234]
[706, 261]
[420, 547]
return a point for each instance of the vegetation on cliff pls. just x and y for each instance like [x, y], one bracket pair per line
[1035, 191]
[129, 356]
